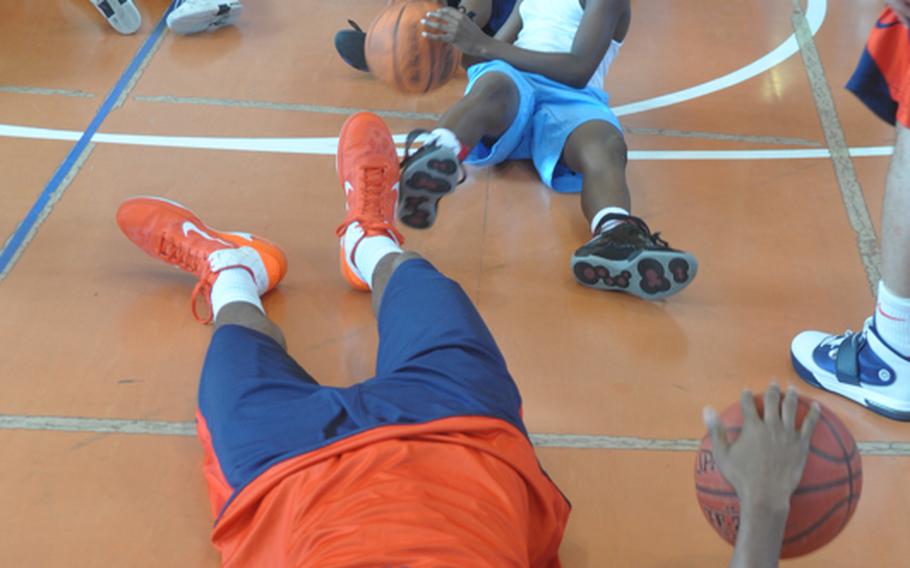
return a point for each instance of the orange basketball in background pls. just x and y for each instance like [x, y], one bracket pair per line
[398, 55]
[822, 504]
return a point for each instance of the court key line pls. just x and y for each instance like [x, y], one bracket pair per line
[815, 16]
[564, 441]
[816, 11]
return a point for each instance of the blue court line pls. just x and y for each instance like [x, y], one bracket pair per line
[17, 241]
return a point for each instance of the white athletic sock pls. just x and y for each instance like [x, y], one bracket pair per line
[892, 320]
[447, 139]
[595, 222]
[234, 285]
[369, 252]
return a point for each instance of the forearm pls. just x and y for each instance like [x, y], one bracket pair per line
[760, 536]
[565, 68]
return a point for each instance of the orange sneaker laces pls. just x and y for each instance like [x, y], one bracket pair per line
[191, 259]
[370, 218]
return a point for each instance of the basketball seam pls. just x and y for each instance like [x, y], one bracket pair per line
[849, 465]
[395, 45]
[434, 54]
[798, 491]
[824, 518]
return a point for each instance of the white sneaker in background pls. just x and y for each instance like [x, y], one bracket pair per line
[121, 14]
[194, 16]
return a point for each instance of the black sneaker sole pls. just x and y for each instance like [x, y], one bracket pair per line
[651, 275]
[425, 181]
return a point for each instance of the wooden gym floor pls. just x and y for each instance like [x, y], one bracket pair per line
[733, 110]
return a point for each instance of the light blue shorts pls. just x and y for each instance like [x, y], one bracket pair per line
[548, 112]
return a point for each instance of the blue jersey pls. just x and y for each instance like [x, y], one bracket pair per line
[501, 11]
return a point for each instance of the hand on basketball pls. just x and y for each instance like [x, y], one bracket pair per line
[766, 462]
[902, 9]
[455, 27]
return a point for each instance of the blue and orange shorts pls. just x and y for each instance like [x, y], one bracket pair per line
[436, 360]
[882, 78]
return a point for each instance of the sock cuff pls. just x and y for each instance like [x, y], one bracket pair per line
[887, 296]
[447, 139]
[599, 217]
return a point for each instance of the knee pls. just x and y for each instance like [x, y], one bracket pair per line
[614, 147]
[496, 92]
[607, 152]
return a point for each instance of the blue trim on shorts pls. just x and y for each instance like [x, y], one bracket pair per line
[548, 113]
[868, 83]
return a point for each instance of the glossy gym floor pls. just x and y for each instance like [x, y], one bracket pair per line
[745, 149]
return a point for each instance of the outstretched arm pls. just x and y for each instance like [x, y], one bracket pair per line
[575, 69]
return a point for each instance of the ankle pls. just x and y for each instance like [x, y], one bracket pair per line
[600, 222]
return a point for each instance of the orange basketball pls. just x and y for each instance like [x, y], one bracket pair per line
[822, 504]
[398, 55]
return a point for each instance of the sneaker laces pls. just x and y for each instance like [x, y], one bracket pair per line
[654, 238]
[371, 219]
[191, 259]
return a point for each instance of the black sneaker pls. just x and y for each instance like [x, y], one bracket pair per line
[628, 258]
[350, 46]
[427, 175]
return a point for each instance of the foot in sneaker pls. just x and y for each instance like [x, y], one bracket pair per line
[857, 366]
[427, 175]
[169, 231]
[628, 258]
[121, 14]
[350, 46]
[194, 16]
[367, 165]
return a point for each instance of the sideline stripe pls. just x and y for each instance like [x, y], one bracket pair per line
[54, 189]
[847, 182]
[327, 146]
[565, 441]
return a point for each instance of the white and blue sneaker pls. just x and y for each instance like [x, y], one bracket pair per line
[859, 366]
[194, 16]
[122, 15]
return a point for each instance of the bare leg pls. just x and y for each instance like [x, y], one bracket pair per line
[249, 316]
[482, 10]
[383, 274]
[487, 111]
[896, 219]
[597, 150]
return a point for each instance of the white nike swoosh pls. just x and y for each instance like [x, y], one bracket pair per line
[348, 188]
[189, 227]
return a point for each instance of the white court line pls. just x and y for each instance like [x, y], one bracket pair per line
[816, 10]
[815, 14]
[327, 146]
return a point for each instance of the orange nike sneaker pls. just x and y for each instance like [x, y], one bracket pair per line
[171, 232]
[367, 165]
